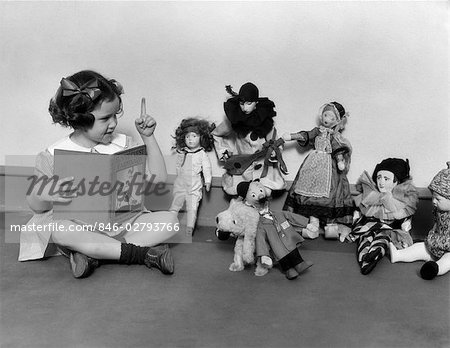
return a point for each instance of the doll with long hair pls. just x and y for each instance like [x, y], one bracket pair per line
[193, 140]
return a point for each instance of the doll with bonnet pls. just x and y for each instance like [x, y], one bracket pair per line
[435, 250]
[247, 128]
[321, 189]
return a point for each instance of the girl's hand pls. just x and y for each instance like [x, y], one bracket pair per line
[145, 124]
[62, 191]
[208, 187]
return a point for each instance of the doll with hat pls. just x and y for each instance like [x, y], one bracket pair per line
[435, 250]
[278, 234]
[385, 204]
[321, 189]
[246, 130]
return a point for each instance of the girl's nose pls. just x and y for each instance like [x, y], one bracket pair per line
[113, 121]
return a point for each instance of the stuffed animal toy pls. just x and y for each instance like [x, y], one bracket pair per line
[240, 221]
[278, 233]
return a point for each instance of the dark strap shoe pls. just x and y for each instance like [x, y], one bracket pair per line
[82, 266]
[160, 257]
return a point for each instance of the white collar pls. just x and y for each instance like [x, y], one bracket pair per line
[119, 142]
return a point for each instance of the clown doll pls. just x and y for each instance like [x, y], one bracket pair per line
[247, 128]
[385, 204]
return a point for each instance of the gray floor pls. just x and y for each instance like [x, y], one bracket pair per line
[205, 305]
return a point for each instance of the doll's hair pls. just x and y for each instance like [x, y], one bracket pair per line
[202, 127]
[78, 95]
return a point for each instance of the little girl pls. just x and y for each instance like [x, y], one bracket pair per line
[193, 139]
[89, 103]
[386, 202]
[436, 248]
[248, 126]
[321, 189]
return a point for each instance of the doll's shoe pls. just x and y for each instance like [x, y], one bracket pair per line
[161, 258]
[303, 266]
[429, 270]
[291, 274]
[189, 231]
[307, 233]
[82, 266]
[373, 255]
[331, 231]
[368, 267]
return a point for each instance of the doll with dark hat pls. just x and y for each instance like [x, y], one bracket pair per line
[385, 204]
[278, 234]
[321, 189]
[435, 250]
[248, 126]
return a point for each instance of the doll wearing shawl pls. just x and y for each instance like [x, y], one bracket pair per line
[321, 189]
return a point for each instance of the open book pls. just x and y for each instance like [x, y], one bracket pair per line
[109, 186]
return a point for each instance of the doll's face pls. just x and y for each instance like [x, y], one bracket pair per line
[440, 203]
[256, 194]
[192, 140]
[329, 119]
[247, 107]
[385, 181]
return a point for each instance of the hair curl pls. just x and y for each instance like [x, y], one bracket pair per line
[202, 127]
[75, 111]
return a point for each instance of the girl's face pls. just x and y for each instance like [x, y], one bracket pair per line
[440, 203]
[104, 125]
[385, 181]
[192, 140]
[329, 119]
[247, 107]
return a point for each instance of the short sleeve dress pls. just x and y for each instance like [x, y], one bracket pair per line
[35, 243]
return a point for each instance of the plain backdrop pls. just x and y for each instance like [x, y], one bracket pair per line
[386, 62]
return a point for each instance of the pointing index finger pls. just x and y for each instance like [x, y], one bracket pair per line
[143, 108]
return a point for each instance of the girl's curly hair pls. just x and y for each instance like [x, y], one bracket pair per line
[74, 110]
[202, 127]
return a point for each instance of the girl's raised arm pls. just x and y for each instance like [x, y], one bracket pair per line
[146, 125]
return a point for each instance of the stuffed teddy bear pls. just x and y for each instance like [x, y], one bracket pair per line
[278, 233]
[240, 221]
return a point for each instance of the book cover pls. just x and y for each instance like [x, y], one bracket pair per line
[108, 186]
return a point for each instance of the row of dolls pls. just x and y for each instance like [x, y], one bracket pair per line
[247, 144]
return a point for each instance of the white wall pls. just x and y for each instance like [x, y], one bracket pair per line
[386, 62]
